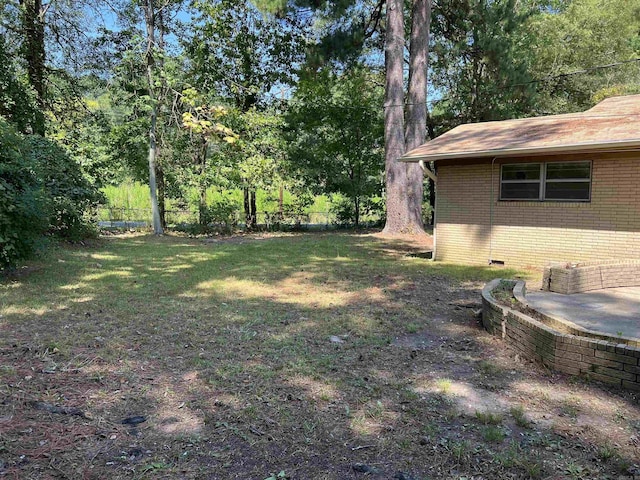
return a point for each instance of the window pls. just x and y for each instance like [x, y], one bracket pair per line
[568, 181]
[552, 181]
[521, 181]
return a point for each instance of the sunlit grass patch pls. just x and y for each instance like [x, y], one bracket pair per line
[244, 349]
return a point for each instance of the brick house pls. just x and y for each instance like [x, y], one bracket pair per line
[530, 191]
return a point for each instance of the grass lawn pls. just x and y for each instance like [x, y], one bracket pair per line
[311, 356]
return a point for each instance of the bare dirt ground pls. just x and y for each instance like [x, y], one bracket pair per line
[320, 356]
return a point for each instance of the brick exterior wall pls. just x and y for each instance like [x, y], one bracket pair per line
[570, 279]
[602, 360]
[536, 233]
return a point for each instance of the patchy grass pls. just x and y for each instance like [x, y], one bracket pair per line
[519, 416]
[322, 356]
[489, 418]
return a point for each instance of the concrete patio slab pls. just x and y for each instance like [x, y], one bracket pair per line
[614, 311]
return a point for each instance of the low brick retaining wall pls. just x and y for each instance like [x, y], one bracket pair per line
[603, 360]
[582, 277]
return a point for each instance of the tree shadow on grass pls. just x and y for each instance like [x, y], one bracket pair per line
[307, 354]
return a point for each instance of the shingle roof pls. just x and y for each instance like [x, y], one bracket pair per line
[612, 124]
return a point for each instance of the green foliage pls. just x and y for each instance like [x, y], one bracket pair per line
[17, 104]
[478, 62]
[69, 194]
[82, 126]
[335, 130]
[222, 211]
[371, 210]
[261, 149]
[240, 54]
[580, 35]
[23, 214]
[493, 60]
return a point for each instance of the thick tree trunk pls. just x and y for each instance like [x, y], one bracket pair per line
[34, 54]
[431, 132]
[395, 172]
[150, 21]
[416, 120]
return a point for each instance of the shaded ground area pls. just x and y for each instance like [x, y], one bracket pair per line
[615, 311]
[316, 356]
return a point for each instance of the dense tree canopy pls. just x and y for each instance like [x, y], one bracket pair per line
[335, 137]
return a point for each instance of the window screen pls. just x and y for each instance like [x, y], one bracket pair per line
[553, 181]
[568, 181]
[520, 181]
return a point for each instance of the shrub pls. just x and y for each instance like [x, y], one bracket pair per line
[42, 189]
[343, 210]
[69, 193]
[371, 211]
[23, 206]
[222, 211]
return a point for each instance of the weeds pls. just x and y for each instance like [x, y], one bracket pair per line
[491, 433]
[606, 452]
[444, 385]
[517, 412]
[488, 368]
[489, 418]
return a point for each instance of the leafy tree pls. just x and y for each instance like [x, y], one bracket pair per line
[69, 194]
[203, 122]
[50, 38]
[335, 130]
[146, 86]
[259, 157]
[17, 104]
[354, 27]
[33, 49]
[241, 55]
[580, 36]
[479, 61]
[154, 23]
[23, 212]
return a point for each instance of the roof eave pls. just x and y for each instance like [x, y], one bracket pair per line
[511, 152]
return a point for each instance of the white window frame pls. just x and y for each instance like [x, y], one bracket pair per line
[542, 197]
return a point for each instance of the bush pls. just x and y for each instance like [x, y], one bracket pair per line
[42, 189]
[222, 211]
[220, 216]
[342, 208]
[23, 205]
[70, 195]
[372, 211]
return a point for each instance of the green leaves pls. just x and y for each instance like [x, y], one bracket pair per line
[335, 129]
[201, 118]
[23, 208]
